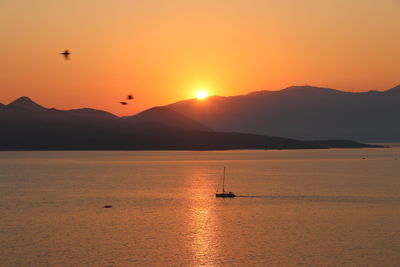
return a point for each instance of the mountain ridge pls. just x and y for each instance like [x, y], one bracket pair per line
[302, 112]
[166, 117]
[25, 102]
[29, 126]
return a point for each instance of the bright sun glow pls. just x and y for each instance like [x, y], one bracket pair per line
[201, 94]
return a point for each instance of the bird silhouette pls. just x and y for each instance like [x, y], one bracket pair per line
[66, 54]
[123, 103]
[129, 97]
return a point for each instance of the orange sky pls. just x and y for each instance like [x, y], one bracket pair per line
[164, 51]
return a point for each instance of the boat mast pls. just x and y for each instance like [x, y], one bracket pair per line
[223, 182]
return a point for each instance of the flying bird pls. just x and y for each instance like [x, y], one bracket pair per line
[129, 97]
[123, 103]
[66, 54]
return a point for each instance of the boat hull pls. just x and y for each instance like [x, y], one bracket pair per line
[230, 194]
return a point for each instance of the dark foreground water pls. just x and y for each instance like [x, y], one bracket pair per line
[295, 208]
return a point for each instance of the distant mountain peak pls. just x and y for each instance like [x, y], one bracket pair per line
[155, 112]
[25, 102]
[168, 117]
[161, 112]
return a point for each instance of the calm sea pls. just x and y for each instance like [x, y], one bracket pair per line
[295, 208]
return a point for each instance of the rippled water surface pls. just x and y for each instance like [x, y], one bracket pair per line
[295, 208]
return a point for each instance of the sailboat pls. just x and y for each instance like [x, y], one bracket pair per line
[223, 193]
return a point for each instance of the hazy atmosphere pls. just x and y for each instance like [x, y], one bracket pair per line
[200, 133]
[165, 51]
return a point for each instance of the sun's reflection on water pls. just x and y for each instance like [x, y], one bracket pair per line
[202, 223]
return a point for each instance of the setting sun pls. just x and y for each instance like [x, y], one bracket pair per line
[201, 94]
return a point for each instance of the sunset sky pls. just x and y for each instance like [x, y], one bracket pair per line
[163, 51]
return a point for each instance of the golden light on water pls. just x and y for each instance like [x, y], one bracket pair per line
[201, 94]
[202, 221]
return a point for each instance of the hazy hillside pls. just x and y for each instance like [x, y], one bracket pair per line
[165, 118]
[24, 114]
[29, 126]
[303, 112]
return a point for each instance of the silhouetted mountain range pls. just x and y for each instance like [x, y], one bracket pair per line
[162, 118]
[25, 103]
[302, 112]
[29, 126]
